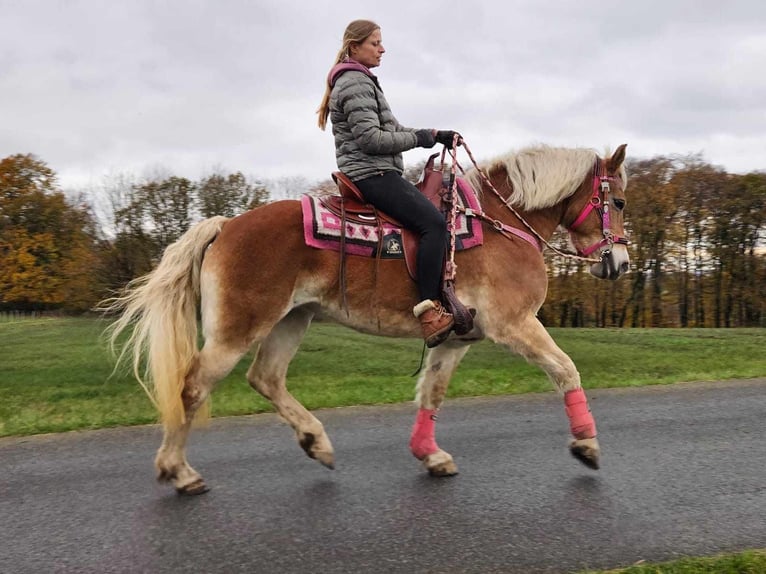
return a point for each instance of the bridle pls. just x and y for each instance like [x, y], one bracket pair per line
[599, 201]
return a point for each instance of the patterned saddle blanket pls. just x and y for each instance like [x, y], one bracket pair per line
[322, 229]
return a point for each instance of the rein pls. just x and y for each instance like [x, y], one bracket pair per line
[600, 185]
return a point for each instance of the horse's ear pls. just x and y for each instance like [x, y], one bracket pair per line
[617, 158]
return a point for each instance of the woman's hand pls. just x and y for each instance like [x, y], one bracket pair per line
[447, 138]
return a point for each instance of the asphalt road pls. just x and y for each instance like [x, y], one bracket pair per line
[683, 473]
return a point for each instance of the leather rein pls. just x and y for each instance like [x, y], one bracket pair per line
[598, 201]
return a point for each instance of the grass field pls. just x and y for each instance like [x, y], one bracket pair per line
[55, 374]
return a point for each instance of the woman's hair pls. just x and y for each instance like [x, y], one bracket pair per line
[356, 33]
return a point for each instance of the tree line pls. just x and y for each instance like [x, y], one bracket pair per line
[698, 254]
[698, 242]
[57, 254]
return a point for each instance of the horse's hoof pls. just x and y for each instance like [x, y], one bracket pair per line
[320, 449]
[440, 463]
[193, 489]
[586, 451]
[327, 459]
[442, 471]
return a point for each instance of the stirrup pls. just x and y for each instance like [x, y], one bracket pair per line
[462, 314]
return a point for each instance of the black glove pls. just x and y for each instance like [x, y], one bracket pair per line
[446, 137]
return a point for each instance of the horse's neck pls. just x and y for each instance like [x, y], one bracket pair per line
[543, 221]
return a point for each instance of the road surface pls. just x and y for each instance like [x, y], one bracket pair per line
[683, 473]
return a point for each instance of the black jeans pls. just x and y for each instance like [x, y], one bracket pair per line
[392, 194]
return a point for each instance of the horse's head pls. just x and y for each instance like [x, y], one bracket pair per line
[596, 224]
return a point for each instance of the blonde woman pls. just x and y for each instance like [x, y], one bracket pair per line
[369, 142]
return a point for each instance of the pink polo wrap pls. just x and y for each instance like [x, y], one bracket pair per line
[422, 441]
[580, 419]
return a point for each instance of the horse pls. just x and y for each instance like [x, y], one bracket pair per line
[255, 285]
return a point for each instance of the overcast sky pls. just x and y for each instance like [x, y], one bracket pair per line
[97, 88]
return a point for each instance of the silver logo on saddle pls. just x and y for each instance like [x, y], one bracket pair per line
[393, 247]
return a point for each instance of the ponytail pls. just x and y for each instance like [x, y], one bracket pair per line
[324, 107]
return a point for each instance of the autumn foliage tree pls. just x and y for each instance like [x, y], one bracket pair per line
[47, 243]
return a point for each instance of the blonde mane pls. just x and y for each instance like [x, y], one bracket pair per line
[540, 176]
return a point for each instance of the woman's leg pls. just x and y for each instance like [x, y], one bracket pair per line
[397, 197]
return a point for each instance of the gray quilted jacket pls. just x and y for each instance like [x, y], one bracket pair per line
[368, 139]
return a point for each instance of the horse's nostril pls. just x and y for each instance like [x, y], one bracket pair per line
[624, 267]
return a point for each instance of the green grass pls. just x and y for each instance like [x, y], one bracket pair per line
[55, 373]
[749, 562]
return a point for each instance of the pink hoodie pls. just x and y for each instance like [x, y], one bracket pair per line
[345, 66]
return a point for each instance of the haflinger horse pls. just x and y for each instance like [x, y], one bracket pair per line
[257, 285]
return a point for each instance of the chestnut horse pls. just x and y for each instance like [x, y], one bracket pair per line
[256, 285]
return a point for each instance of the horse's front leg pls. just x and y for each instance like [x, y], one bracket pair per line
[530, 340]
[432, 386]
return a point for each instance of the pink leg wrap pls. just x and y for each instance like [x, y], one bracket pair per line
[580, 420]
[422, 441]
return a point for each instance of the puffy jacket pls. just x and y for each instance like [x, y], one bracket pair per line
[368, 138]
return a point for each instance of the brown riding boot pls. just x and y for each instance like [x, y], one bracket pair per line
[435, 321]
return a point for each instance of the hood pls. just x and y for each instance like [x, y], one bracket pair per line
[344, 66]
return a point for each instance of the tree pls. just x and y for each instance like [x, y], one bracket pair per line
[698, 186]
[229, 195]
[652, 206]
[149, 216]
[166, 207]
[734, 237]
[752, 301]
[46, 241]
[128, 251]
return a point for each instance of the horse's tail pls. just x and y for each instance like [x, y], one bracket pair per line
[162, 307]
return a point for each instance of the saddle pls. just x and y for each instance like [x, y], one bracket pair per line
[350, 206]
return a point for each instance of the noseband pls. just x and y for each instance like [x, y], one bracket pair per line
[599, 200]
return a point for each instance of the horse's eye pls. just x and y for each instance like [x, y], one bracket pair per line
[619, 203]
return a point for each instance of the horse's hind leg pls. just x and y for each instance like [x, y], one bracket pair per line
[211, 365]
[534, 343]
[432, 386]
[267, 375]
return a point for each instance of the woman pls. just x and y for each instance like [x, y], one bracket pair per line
[368, 147]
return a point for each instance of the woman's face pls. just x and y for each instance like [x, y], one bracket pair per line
[370, 51]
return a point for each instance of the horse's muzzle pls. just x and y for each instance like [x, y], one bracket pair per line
[612, 265]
